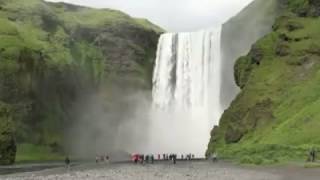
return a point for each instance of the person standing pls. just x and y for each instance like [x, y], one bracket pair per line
[142, 159]
[97, 159]
[152, 159]
[107, 159]
[313, 155]
[136, 158]
[67, 162]
[174, 158]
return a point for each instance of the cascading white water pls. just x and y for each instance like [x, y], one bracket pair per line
[186, 91]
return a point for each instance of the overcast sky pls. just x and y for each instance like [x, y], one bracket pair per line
[173, 15]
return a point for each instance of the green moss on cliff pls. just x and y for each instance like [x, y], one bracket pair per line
[275, 117]
[7, 139]
[52, 54]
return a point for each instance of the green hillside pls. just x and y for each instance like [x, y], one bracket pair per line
[52, 54]
[276, 116]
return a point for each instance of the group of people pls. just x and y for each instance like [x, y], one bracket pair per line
[141, 158]
[101, 159]
[182, 156]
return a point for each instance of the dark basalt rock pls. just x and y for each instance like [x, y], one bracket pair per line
[233, 135]
[214, 133]
[293, 26]
[282, 49]
[302, 12]
[284, 37]
[254, 117]
[8, 150]
[312, 10]
[315, 6]
[314, 49]
[256, 55]
[8, 147]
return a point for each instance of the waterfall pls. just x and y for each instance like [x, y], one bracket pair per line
[186, 91]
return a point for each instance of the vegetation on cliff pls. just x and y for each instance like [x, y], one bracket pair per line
[276, 115]
[51, 54]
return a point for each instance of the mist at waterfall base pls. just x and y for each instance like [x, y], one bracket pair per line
[176, 117]
[112, 121]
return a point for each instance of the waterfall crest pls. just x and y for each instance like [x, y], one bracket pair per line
[186, 90]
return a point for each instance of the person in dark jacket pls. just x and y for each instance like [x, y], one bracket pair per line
[174, 158]
[67, 162]
[152, 159]
[313, 155]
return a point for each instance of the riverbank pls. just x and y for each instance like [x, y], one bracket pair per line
[203, 170]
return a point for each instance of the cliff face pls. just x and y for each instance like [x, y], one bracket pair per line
[52, 55]
[275, 116]
[238, 35]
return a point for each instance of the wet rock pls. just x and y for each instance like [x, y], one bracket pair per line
[214, 131]
[7, 150]
[313, 49]
[233, 135]
[282, 49]
[302, 12]
[7, 141]
[315, 3]
[315, 8]
[256, 55]
[293, 26]
[284, 37]
[213, 140]
[243, 123]
[242, 70]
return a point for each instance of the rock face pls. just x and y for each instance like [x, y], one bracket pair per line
[7, 140]
[275, 117]
[54, 55]
[238, 34]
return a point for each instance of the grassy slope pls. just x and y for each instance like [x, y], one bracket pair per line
[40, 43]
[276, 115]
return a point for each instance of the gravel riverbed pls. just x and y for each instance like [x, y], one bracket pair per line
[167, 171]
